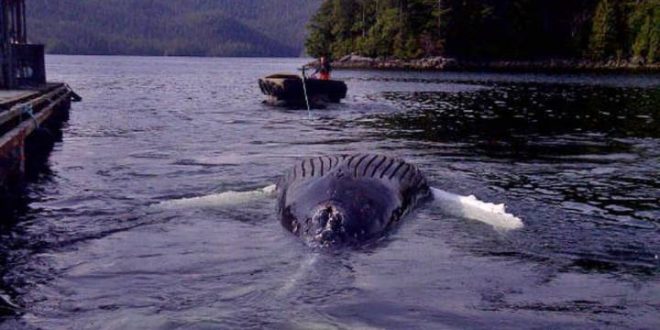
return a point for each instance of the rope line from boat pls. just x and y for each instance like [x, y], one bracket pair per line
[309, 110]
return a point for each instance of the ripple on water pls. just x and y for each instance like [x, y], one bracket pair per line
[576, 157]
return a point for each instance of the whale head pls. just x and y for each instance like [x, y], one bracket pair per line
[349, 199]
[341, 212]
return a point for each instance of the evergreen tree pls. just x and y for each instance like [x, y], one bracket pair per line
[320, 31]
[644, 24]
[604, 36]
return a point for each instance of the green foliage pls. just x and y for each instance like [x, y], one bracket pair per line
[320, 36]
[171, 27]
[644, 24]
[487, 29]
[606, 29]
[401, 28]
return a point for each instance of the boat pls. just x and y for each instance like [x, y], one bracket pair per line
[285, 89]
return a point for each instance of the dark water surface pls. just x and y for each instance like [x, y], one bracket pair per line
[576, 157]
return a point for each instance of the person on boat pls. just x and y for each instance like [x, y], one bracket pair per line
[323, 69]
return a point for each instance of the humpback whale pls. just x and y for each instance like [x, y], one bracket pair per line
[330, 200]
[351, 199]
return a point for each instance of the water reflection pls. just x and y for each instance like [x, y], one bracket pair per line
[516, 114]
[587, 155]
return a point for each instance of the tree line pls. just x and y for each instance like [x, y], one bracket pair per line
[599, 30]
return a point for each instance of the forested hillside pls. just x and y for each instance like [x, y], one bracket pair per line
[600, 30]
[171, 27]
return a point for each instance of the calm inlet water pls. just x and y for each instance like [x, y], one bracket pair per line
[576, 157]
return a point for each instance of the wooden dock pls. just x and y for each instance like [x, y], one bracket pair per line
[22, 112]
[31, 109]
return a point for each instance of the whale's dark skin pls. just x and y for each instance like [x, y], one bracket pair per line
[348, 200]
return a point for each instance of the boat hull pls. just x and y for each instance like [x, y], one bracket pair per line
[287, 90]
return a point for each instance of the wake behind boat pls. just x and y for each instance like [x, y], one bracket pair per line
[284, 89]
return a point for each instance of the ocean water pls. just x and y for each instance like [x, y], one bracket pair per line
[576, 157]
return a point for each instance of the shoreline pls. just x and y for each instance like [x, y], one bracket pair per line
[442, 64]
[438, 63]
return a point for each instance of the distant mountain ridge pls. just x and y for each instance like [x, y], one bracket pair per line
[171, 27]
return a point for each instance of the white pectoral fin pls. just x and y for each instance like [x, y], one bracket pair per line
[228, 198]
[471, 208]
